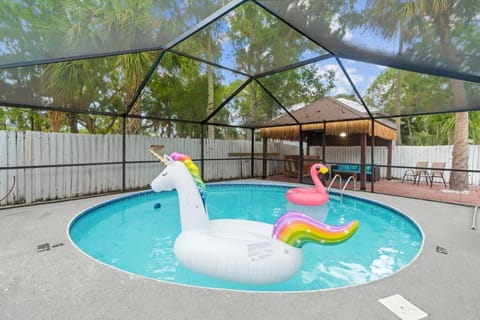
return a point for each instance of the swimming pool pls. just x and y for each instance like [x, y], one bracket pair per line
[136, 233]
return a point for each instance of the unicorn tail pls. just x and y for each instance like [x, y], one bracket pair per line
[296, 229]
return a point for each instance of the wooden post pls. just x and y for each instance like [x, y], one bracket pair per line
[252, 155]
[363, 160]
[264, 158]
[389, 159]
[324, 142]
[300, 158]
[308, 145]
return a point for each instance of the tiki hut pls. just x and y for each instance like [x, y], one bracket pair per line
[334, 122]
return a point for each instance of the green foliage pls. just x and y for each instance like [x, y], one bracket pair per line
[437, 129]
[418, 93]
[22, 119]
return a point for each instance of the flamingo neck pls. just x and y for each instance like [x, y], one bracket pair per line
[318, 184]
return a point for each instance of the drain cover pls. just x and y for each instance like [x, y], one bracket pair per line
[441, 250]
[47, 246]
[43, 247]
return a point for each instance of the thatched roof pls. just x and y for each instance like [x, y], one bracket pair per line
[336, 114]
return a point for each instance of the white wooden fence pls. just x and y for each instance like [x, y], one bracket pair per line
[24, 149]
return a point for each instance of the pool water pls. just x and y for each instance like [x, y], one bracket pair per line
[136, 234]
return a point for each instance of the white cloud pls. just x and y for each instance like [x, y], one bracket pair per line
[301, 3]
[335, 25]
[341, 82]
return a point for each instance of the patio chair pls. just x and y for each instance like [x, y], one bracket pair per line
[288, 170]
[291, 168]
[437, 172]
[417, 173]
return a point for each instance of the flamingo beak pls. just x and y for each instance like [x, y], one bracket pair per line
[323, 170]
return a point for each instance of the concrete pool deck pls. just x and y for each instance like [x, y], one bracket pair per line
[59, 282]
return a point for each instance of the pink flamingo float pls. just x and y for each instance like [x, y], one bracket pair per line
[315, 196]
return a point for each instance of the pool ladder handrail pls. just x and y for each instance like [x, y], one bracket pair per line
[346, 184]
[333, 180]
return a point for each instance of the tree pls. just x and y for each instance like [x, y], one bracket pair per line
[80, 84]
[262, 43]
[175, 91]
[419, 91]
[73, 85]
[434, 19]
[27, 40]
[209, 42]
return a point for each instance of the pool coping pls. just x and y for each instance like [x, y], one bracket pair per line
[61, 283]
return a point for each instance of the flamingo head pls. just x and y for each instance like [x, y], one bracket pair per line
[318, 168]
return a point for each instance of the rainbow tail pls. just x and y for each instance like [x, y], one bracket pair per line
[296, 229]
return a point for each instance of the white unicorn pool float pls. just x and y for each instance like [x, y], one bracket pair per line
[238, 250]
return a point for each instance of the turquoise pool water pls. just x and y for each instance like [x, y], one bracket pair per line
[136, 234]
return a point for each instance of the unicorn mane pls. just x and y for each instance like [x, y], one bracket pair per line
[194, 171]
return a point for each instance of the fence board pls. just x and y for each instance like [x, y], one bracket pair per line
[68, 171]
[19, 191]
[28, 172]
[39, 174]
[3, 163]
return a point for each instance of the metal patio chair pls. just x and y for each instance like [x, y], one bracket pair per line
[420, 171]
[437, 172]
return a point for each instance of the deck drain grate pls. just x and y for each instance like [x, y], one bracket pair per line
[47, 246]
[441, 250]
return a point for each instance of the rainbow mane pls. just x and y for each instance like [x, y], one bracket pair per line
[296, 229]
[194, 171]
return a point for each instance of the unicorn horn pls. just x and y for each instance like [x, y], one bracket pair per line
[155, 150]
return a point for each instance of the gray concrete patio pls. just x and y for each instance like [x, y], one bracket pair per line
[63, 283]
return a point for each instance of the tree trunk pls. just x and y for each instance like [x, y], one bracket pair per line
[253, 107]
[211, 92]
[55, 120]
[90, 124]
[398, 96]
[253, 102]
[458, 179]
[134, 124]
[72, 122]
[398, 110]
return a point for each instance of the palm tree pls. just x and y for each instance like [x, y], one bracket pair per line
[207, 43]
[442, 20]
[125, 21]
[72, 85]
[440, 13]
[104, 25]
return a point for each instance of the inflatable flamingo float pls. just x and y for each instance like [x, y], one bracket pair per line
[316, 196]
[238, 250]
